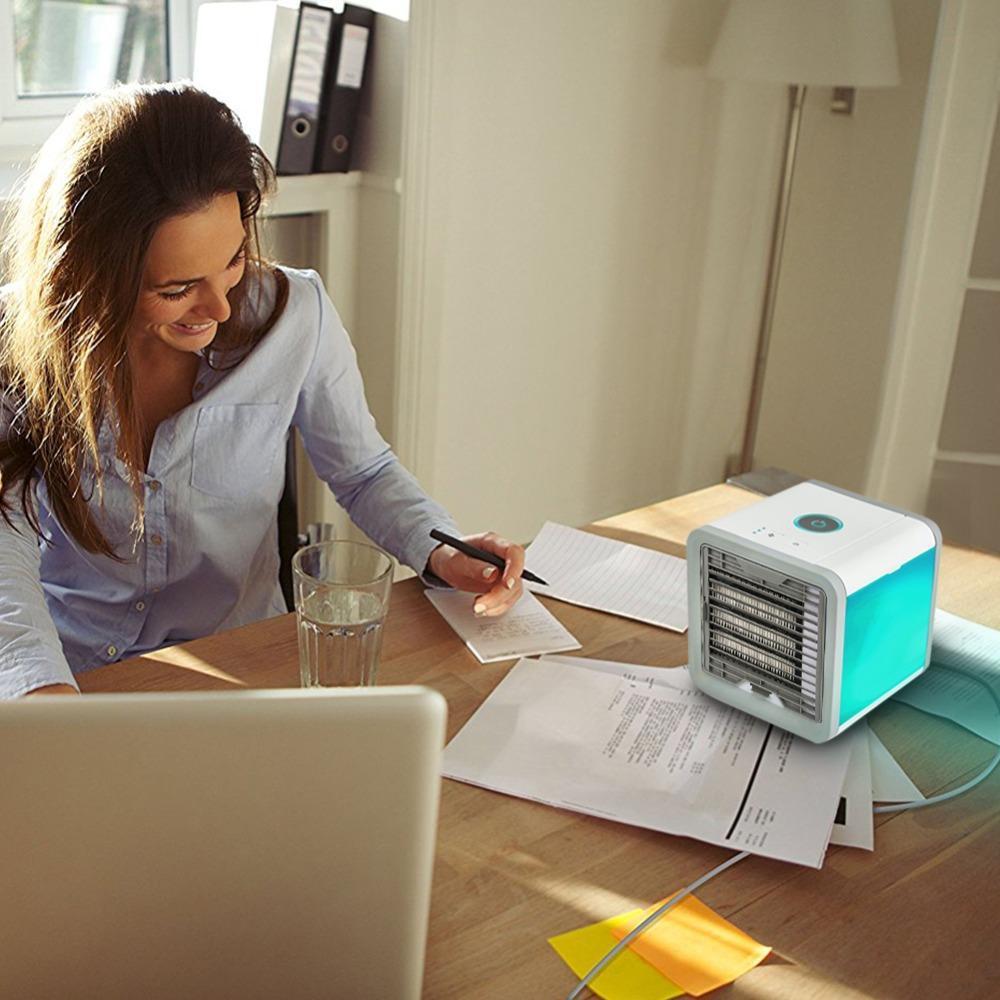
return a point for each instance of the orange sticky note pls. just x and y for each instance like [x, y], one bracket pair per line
[693, 946]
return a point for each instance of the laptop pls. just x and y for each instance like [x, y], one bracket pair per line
[245, 845]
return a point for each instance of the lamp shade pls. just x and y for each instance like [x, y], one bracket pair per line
[836, 43]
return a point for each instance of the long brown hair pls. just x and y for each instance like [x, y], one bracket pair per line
[118, 166]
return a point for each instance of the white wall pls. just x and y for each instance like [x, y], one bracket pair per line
[583, 243]
[585, 222]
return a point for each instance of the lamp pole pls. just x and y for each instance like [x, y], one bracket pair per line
[796, 98]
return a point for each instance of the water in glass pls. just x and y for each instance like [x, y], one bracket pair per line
[340, 636]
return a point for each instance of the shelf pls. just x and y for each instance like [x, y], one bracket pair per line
[983, 284]
[967, 457]
[301, 195]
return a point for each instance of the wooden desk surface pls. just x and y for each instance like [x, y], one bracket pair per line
[916, 918]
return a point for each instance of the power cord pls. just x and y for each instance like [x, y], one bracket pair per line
[719, 869]
[651, 919]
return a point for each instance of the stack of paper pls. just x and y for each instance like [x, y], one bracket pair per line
[642, 745]
[597, 572]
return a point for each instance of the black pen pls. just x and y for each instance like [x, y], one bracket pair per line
[481, 554]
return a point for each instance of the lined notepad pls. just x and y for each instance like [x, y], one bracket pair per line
[528, 629]
[601, 573]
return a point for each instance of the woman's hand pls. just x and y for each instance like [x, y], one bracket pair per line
[497, 590]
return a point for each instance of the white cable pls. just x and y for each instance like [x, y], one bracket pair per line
[955, 792]
[652, 918]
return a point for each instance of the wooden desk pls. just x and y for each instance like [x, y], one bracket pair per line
[918, 918]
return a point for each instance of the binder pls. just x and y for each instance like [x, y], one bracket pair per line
[347, 62]
[243, 56]
[300, 123]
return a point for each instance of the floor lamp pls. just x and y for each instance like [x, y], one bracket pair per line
[836, 43]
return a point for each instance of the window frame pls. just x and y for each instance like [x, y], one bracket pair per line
[26, 122]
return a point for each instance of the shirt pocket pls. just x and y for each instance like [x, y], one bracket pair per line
[235, 447]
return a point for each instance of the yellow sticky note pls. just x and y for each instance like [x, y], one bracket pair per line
[692, 945]
[628, 977]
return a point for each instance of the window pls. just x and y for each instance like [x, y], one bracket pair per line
[54, 51]
[74, 47]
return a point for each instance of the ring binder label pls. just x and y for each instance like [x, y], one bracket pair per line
[353, 47]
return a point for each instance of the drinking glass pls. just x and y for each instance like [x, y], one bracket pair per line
[341, 598]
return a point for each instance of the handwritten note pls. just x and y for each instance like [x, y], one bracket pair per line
[607, 575]
[526, 630]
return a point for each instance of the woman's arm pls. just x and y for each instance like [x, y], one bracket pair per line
[31, 654]
[370, 483]
[347, 451]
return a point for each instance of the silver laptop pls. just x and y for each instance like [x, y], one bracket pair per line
[257, 844]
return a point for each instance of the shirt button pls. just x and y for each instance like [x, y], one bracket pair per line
[155, 485]
[199, 385]
[140, 605]
[112, 650]
[156, 539]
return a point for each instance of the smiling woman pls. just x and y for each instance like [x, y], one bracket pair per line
[152, 365]
[134, 180]
[177, 318]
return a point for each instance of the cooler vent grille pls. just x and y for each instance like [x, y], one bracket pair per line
[762, 629]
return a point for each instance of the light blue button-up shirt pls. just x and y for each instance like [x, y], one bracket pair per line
[208, 559]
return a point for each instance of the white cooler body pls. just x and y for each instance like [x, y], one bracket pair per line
[811, 607]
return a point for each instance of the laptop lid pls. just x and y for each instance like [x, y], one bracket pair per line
[215, 845]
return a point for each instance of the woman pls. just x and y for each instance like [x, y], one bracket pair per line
[151, 366]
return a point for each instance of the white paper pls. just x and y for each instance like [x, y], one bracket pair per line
[973, 648]
[890, 783]
[601, 573]
[854, 823]
[643, 746]
[526, 629]
[351, 65]
[310, 59]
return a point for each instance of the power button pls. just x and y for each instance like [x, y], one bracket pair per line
[821, 523]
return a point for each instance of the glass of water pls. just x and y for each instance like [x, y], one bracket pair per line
[341, 599]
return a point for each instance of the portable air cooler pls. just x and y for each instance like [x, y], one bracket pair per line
[815, 605]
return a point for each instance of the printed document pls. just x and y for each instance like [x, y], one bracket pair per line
[642, 745]
[975, 649]
[601, 573]
[526, 629]
[854, 823]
